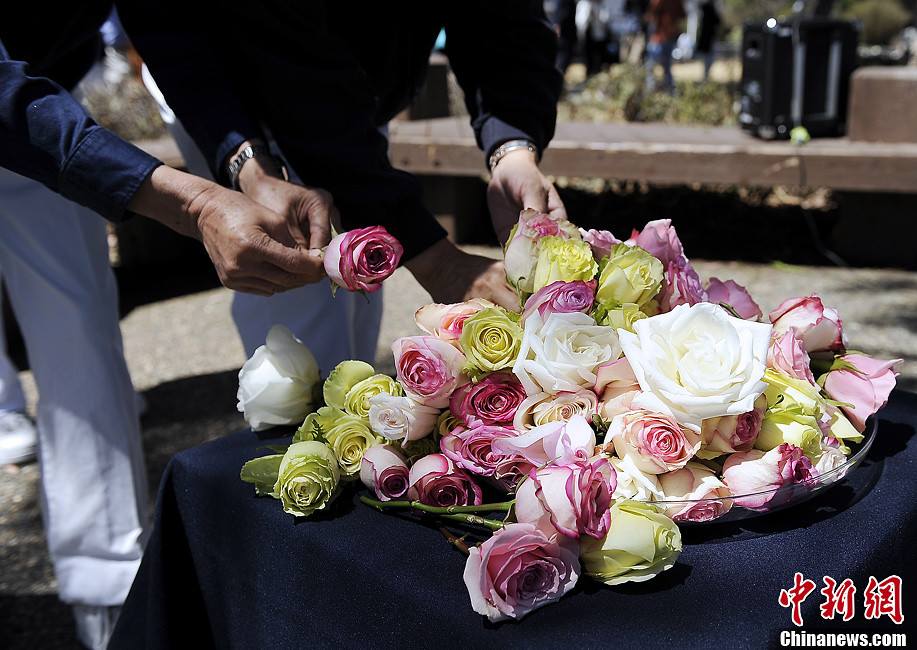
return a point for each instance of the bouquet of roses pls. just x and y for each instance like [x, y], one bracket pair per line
[625, 397]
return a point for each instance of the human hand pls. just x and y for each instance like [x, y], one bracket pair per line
[308, 211]
[517, 184]
[451, 275]
[251, 247]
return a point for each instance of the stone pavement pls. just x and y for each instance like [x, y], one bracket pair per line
[184, 356]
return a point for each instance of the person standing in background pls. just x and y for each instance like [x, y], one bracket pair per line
[664, 25]
[706, 33]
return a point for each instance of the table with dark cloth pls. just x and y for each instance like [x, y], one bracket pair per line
[227, 569]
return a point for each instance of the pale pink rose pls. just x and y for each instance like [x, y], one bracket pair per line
[601, 242]
[698, 484]
[731, 433]
[401, 418]
[561, 297]
[863, 382]
[788, 355]
[753, 475]
[361, 259]
[521, 252]
[734, 295]
[817, 326]
[659, 239]
[616, 386]
[509, 471]
[472, 448]
[574, 499]
[429, 369]
[832, 456]
[682, 287]
[434, 480]
[519, 569]
[556, 443]
[656, 442]
[492, 400]
[384, 470]
[445, 321]
[542, 408]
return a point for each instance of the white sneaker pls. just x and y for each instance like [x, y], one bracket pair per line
[94, 624]
[18, 438]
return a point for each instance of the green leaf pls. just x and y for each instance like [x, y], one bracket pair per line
[263, 473]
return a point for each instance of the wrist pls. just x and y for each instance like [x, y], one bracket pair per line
[251, 163]
[514, 148]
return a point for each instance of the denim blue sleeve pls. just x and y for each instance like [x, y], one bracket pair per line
[46, 135]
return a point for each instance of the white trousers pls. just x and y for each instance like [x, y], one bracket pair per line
[337, 328]
[54, 259]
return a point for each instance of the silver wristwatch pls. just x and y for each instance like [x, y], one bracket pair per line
[253, 151]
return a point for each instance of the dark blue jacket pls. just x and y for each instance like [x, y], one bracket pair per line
[44, 133]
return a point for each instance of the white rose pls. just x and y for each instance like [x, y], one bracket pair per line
[699, 361]
[276, 384]
[634, 483]
[401, 418]
[563, 353]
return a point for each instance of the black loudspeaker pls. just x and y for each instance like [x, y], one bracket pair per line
[797, 73]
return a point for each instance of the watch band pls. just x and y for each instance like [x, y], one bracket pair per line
[253, 151]
[510, 145]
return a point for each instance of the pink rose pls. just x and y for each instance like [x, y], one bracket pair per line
[556, 443]
[384, 470]
[492, 400]
[683, 287]
[472, 448]
[655, 441]
[561, 297]
[731, 433]
[574, 499]
[519, 569]
[445, 321]
[659, 239]
[429, 369]
[695, 492]
[509, 471]
[734, 295]
[863, 382]
[434, 480]
[601, 242]
[749, 474]
[616, 386]
[361, 259]
[788, 355]
[818, 327]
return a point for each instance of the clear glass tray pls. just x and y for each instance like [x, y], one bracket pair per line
[726, 509]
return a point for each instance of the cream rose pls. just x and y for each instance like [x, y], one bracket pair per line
[699, 361]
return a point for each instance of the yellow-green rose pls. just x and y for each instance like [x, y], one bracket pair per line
[349, 437]
[490, 340]
[344, 377]
[794, 409]
[563, 259]
[641, 543]
[629, 275]
[317, 424]
[622, 317]
[356, 402]
[308, 478]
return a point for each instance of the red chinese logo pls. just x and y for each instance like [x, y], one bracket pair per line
[794, 596]
[879, 599]
[884, 599]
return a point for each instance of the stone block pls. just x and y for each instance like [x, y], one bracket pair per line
[883, 104]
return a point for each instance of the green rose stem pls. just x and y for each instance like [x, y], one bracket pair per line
[454, 513]
[455, 540]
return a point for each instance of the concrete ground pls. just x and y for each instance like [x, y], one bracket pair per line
[184, 356]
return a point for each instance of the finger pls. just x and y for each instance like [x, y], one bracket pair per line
[292, 261]
[320, 228]
[555, 204]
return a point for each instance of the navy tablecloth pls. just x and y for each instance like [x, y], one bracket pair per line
[228, 570]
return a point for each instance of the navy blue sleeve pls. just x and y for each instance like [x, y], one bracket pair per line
[503, 55]
[46, 135]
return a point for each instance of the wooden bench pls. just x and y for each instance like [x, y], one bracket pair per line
[670, 154]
